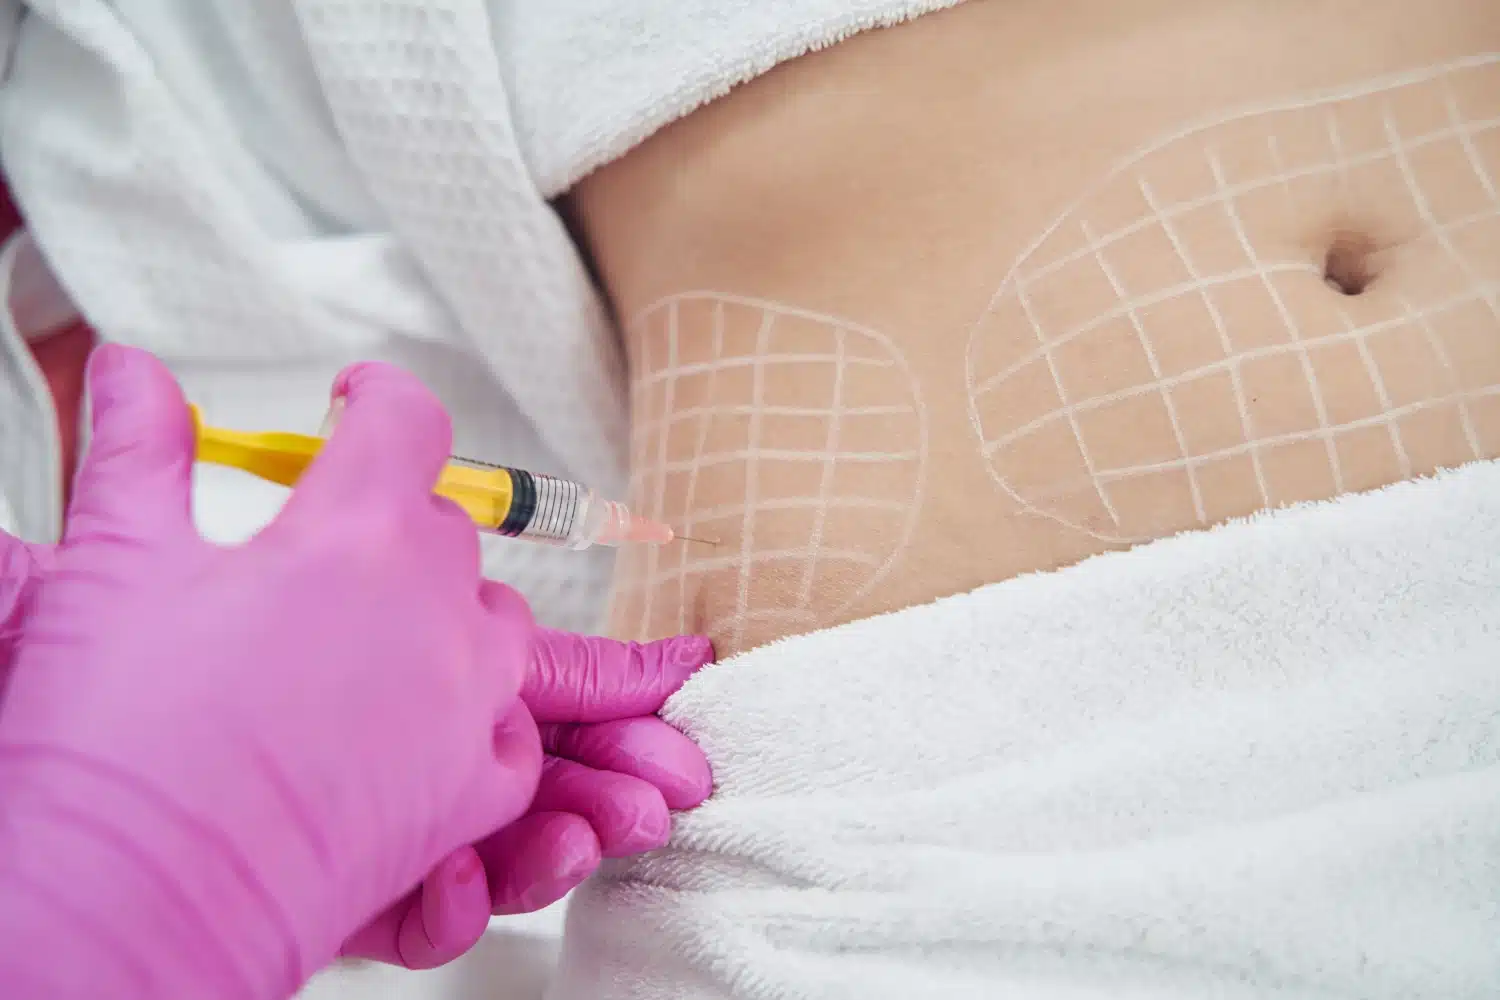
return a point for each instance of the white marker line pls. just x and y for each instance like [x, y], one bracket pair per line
[825, 482]
[1423, 324]
[704, 419]
[1293, 330]
[1142, 302]
[1062, 394]
[1166, 397]
[752, 474]
[1222, 329]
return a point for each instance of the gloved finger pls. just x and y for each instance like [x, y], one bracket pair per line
[537, 860]
[576, 678]
[644, 747]
[391, 443]
[503, 788]
[136, 477]
[22, 565]
[451, 542]
[628, 815]
[435, 923]
[509, 634]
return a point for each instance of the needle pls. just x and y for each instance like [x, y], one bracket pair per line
[700, 541]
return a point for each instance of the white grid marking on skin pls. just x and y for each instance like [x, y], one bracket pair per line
[1291, 437]
[1251, 187]
[747, 536]
[1440, 233]
[1062, 394]
[770, 359]
[1382, 393]
[638, 441]
[652, 555]
[1466, 140]
[1421, 322]
[846, 363]
[784, 455]
[1267, 268]
[771, 555]
[1221, 329]
[825, 484]
[1419, 199]
[1291, 324]
[769, 411]
[1352, 334]
[1139, 303]
[1361, 340]
[704, 416]
[799, 503]
[1166, 397]
[1395, 150]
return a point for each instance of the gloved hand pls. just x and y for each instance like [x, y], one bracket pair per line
[612, 772]
[22, 566]
[215, 762]
[619, 767]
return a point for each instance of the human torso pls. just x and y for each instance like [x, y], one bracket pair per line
[1026, 281]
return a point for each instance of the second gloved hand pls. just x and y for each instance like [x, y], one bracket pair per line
[612, 772]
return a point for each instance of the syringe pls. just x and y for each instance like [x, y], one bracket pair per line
[540, 508]
[499, 499]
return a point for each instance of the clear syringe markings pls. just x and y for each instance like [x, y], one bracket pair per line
[541, 508]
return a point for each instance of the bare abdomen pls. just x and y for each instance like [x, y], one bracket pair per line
[1026, 281]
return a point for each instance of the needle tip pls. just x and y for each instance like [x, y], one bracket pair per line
[700, 541]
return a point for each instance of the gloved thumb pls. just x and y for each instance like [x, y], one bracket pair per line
[136, 477]
[22, 565]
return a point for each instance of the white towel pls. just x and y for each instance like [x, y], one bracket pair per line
[1260, 761]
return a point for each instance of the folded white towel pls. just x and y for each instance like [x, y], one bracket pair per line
[1261, 761]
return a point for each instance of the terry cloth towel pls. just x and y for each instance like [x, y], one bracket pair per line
[1259, 761]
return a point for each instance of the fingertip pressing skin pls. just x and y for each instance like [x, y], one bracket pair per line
[589, 679]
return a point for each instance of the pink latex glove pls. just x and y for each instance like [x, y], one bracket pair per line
[612, 773]
[621, 776]
[22, 566]
[215, 763]
[618, 767]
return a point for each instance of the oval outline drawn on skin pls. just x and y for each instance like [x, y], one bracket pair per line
[1131, 470]
[739, 351]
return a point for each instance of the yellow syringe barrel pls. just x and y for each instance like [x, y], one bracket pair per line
[486, 494]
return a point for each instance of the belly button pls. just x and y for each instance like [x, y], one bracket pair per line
[1349, 263]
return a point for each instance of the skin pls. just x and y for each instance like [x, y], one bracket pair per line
[890, 183]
